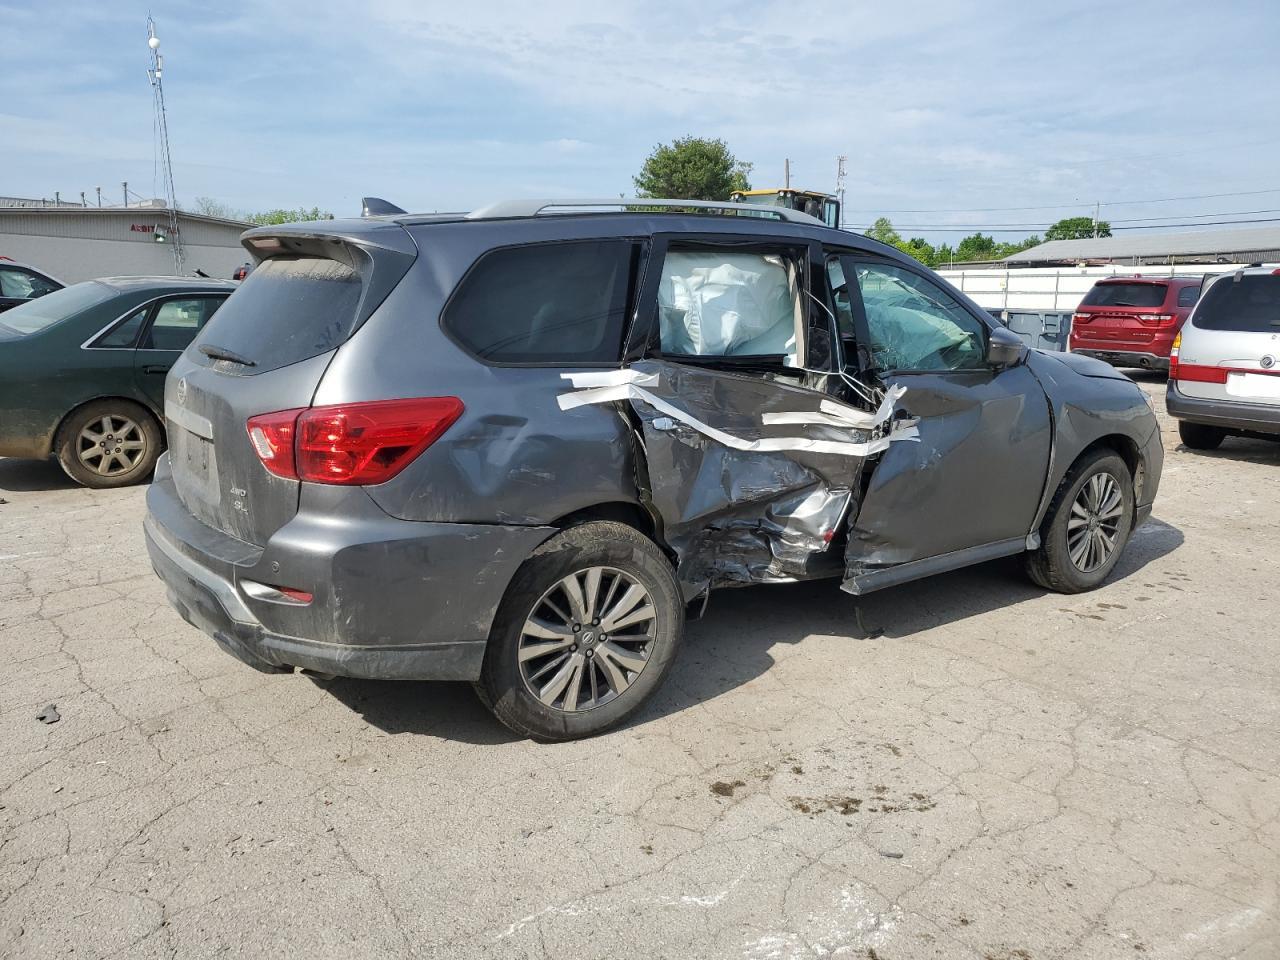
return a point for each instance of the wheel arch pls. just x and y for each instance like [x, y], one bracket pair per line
[1128, 451]
[55, 436]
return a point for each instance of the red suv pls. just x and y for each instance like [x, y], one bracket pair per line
[1131, 321]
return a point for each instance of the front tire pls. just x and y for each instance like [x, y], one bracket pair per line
[1087, 525]
[1200, 436]
[585, 634]
[109, 443]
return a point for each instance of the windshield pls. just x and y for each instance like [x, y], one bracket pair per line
[32, 317]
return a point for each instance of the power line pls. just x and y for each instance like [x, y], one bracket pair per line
[1073, 203]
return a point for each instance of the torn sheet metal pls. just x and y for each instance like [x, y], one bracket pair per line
[752, 477]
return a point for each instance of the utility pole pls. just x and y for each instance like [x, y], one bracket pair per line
[83, 201]
[99, 189]
[1097, 212]
[786, 173]
[124, 185]
[840, 175]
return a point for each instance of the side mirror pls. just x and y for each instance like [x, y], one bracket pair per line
[1005, 348]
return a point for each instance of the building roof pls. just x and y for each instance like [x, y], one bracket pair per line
[77, 210]
[1240, 245]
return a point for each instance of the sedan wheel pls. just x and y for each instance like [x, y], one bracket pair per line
[112, 446]
[109, 443]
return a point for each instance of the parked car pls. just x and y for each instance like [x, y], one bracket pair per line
[20, 283]
[82, 372]
[1225, 376]
[1131, 321]
[509, 447]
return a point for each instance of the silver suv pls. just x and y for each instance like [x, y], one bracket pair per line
[1224, 373]
[512, 447]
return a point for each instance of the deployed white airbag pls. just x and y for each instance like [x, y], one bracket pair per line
[727, 304]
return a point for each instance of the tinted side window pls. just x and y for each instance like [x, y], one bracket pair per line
[545, 303]
[177, 322]
[1188, 296]
[125, 335]
[915, 324]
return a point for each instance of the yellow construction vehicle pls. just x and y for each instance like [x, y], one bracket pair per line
[823, 206]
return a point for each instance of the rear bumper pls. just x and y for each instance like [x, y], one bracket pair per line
[393, 599]
[1228, 414]
[1125, 358]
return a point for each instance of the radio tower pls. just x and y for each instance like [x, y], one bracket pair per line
[155, 73]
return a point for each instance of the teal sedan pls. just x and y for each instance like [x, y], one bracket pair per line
[82, 372]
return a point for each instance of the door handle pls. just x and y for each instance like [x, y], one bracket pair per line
[154, 368]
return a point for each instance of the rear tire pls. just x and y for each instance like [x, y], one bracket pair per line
[1200, 436]
[1087, 525]
[544, 679]
[109, 443]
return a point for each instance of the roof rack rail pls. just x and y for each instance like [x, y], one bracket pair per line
[520, 209]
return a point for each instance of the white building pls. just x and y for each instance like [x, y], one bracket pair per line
[76, 243]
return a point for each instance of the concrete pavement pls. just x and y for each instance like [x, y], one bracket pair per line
[1004, 774]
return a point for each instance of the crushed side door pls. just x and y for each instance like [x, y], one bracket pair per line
[752, 479]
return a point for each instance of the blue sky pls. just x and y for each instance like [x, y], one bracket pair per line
[944, 108]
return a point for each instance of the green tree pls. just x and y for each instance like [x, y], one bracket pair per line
[883, 231]
[692, 168]
[1076, 228]
[978, 246]
[209, 207]
[919, 248]
[272, 217]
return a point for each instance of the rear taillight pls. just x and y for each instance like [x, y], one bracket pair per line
[1157, 319]
[272, 437]
[351, 443]
[1081, 317]
[1187, 372]
[1173, 355]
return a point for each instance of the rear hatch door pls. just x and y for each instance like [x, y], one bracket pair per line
[1231, 344]
[266, 350]
[1113, 311]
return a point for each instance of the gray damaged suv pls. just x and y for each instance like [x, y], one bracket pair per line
[512, 447]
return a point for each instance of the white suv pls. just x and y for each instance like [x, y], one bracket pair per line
[1224, 372]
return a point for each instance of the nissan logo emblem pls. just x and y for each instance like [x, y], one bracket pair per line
[1268, 362]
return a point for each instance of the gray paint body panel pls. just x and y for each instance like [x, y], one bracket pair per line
[409, 573]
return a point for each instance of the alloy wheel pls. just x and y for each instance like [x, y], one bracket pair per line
[1093, 529]
[587, 639]
[111, 445]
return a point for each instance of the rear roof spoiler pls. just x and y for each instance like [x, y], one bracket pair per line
[377, 207]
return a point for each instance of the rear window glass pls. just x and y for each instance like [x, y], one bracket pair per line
[288, 309]
[1248, 305]
[545, 303]
[36, 315]
[1125, 295]
[1188, 296]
